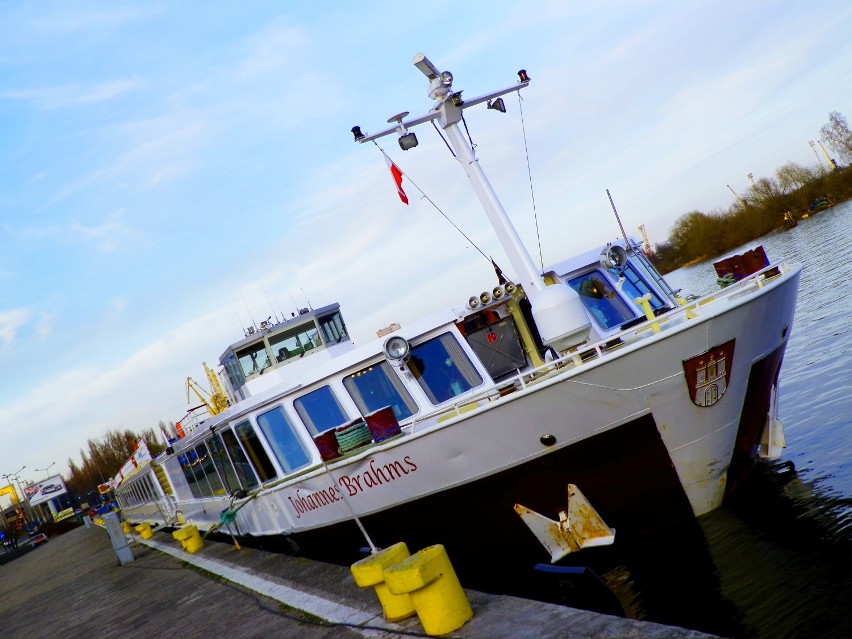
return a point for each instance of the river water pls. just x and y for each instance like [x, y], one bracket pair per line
[776, 560]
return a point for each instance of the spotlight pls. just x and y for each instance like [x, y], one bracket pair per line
[485, 297]
[473, 302]
[457, 99]
[396, 350]
[497, 105]
[522, 74]
[356, 131]
[425, 66]
[497, 292]
[407, 141]
[510, 288]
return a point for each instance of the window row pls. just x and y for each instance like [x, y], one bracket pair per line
[236, 459]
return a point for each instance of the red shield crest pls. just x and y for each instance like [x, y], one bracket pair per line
[708, 374]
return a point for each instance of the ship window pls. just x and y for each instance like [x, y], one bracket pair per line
[254, 359]
[333, 329]
[241, 463]
[601, 300]
[295, 342]
[223, 464]
[320, 410]
[282, 439]
[187, 459]
[442, 369]
[377, 386]
[235, 373]
[254, 449]
[206, 464]
[634, 286]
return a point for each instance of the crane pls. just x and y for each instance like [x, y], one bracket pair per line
[739, 199]
[645, 240]
[215, 400]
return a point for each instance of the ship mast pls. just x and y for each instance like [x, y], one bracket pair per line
[559, 314]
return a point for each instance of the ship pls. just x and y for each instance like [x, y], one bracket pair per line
[554, 411]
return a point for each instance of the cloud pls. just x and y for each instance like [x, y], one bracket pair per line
[72, 95]
[11, 322]
[44, 328]
[105, 236]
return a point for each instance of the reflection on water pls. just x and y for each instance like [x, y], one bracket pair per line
[776, 560]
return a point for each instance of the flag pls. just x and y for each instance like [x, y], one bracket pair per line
[397, 177]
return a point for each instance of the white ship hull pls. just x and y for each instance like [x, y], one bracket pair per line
[625, 426]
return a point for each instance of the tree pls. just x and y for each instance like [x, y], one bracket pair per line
[792, 177]
[106, 455]
[692, 233]
[836, 134]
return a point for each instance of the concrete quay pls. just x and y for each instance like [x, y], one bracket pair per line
[74, 586]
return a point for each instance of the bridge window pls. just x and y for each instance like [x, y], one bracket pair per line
[442, 369]
[295, 342]
[282, 439]
[634, 286]
[601, 300]
[254, 359]
[333, 329]
[377, 386]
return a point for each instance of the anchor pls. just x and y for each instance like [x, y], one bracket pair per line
[579, 527]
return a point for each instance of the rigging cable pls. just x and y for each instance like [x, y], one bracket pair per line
[428, 199]
[529, 175]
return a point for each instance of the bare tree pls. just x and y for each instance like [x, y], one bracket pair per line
[794, 176]
[836, 134]
[106, 455]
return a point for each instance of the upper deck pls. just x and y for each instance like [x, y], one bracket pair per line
[315, 333]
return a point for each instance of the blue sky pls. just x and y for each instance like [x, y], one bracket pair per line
[171, 170]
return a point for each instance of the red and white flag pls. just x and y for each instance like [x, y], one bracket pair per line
[397, 177]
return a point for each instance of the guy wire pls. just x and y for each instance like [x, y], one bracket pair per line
[529, 175]
[428, 199]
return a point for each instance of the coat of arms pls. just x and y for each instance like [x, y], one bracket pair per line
[708, 374]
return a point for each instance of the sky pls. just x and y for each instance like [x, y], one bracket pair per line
[171, 172]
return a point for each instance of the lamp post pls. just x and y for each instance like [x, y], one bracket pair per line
[21, 497]
[14, 477]
[38, 470]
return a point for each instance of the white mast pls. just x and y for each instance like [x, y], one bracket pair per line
[558, 312]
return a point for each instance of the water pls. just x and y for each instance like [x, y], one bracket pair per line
[776, 560]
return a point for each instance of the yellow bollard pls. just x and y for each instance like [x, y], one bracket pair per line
[189, 538]
[429, 578]
[369, 572]
[144, 530]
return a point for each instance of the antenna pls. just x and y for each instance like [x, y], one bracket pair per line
[306, 299]
[618, 219]
[249, 310]
[270, 303]
[295, 306]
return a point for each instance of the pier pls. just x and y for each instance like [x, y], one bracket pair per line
[74, 586]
